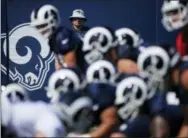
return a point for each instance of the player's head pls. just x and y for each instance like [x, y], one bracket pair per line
[78, 18]
[96, 43]
[46, 20]
[15, 93]
[79, 107]
[158, 59]
[98, 76]
[64, 81]
[174, 14]
[154, 60]
[155, 63]
[127, 36]
[131, 92]
[100, 71]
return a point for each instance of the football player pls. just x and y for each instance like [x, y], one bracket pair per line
[62, 41]
[14, 93]
[174, 17]
[64, 81]
[63, 87]
[130, 96]
[167, 72]
[102, 92]
[11, 94]
[33, 119]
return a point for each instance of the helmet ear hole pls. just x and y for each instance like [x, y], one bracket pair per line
[46, 15]
[9, 96]
[20, 96]
[36, 13]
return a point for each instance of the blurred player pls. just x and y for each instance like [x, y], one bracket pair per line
[33, 119]
[102, 92]
[65, 86]
[64, 81]
[11, 94]
[167, 73]
[129, 42]
[174, 17]
[14, 93]
[130, 96]
[98, 44]
[62, 41]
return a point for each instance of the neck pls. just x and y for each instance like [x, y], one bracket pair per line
[77, 28]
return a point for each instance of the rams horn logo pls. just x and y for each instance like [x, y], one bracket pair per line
[30, 56]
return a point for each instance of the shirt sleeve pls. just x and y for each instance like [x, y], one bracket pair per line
[68, 41]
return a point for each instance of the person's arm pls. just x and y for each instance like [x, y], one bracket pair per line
[184, 129]
[70, 59]
[159, 127]
[109, 120]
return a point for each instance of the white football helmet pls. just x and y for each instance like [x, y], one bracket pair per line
[15, 93]
[154, 60]
[97, 41]
[131, 92]
[100, 71]
[62, 81]
[174, 14]
[127, 36]
[153, 63]
[46, 20]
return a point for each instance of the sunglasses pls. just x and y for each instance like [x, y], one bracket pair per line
[81, 19]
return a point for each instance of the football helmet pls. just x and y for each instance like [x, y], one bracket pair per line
[45, 19]
[100, 71]
[127, 36]
[15, 93]
[79, 107]
[131, 92]
[97, 41]
[63, 81]
[174, 14]
[154, 60]
[154, 63]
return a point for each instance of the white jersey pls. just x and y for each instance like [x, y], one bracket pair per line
[28, 118]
